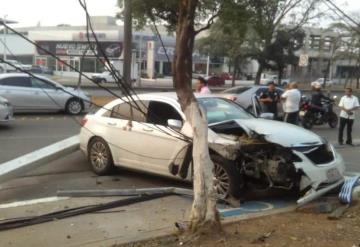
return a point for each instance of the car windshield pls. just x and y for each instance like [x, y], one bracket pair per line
[219, 110]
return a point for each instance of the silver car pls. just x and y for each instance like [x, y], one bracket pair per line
[6, 111]
[41, 94]
[243, 94]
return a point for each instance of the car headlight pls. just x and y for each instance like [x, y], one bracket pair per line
[4, 103]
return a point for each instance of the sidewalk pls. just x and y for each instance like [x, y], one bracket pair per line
[115, 226]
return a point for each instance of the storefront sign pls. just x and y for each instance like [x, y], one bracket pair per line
[78, 48]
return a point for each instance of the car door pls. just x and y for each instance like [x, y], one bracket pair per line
[17, 89]
[47, 96]
[160, 146]
[120, 135]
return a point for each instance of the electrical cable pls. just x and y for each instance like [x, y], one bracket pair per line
[94, 134]
[183, 137]
[114, 72]
[8, 224]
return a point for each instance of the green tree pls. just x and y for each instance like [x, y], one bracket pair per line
[267, 18]
[280, 53]
[228, 35]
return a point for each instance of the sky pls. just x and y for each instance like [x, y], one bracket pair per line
[54, 12]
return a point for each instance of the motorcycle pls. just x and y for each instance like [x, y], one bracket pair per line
[312, 115]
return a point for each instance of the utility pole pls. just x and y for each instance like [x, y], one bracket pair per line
[127, 42]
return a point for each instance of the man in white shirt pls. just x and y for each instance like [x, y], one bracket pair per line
[348, 104]
[292, 98]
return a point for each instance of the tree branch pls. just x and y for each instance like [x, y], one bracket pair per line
[209, 23]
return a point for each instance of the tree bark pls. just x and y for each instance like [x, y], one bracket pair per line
[203, 213]
[258, 74]
[234, 71]
[280, 75]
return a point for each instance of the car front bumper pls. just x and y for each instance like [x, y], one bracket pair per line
[6, 114]
[320, 179]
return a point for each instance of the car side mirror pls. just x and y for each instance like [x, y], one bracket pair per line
[267, 115]
[174, 123]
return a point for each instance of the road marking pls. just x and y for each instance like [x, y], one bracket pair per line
[32, 202]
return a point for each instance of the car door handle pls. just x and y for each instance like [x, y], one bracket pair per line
[148, 130]
[111, 124]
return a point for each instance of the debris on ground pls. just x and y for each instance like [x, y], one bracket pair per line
[296, 229]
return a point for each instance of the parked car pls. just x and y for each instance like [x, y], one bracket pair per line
[8, 68]
[40, 69]
[321, 82]
[104, 77]
[6, 111]
[246, 151]
[215, 81]
[243, 94]
[274, 79]
[40, 94]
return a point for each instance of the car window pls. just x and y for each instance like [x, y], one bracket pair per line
[237, 90]
[160, 113]
[219, 110]
[16, 81]
[130, 111]
[36, 83]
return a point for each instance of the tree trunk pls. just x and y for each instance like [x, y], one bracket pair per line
[258, 74]
[234, 72]
[280, 75]
[203, 213]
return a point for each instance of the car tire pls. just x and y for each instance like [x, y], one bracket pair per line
[74, 106]
[228, 180]
[103, 81]
[2, 70]
[100, 157]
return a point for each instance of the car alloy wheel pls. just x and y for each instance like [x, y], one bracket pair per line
[74, 107]
[100, 157]
[221, 181]
[227, 179]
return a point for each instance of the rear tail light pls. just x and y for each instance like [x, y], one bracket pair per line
[83, 121]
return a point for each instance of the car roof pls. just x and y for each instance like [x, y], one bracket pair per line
[172, 96]
[7, 75]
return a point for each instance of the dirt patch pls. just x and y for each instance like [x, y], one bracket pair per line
[298, 229]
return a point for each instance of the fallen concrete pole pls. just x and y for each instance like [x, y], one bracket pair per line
[123, 192]
[43, 156]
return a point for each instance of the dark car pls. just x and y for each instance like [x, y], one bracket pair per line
[215, 81]
[39, 69]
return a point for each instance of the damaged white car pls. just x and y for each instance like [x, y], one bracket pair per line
[152, 135]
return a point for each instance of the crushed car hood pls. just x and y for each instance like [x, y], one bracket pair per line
[287, 135]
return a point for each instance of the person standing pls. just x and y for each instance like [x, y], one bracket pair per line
[291, 98]
[202, 86]
[348, 104]
[270, 98]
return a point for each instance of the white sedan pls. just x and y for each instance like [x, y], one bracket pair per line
[6, 111]
[245, 150]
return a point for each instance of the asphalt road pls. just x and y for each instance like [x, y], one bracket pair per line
[31, 132]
